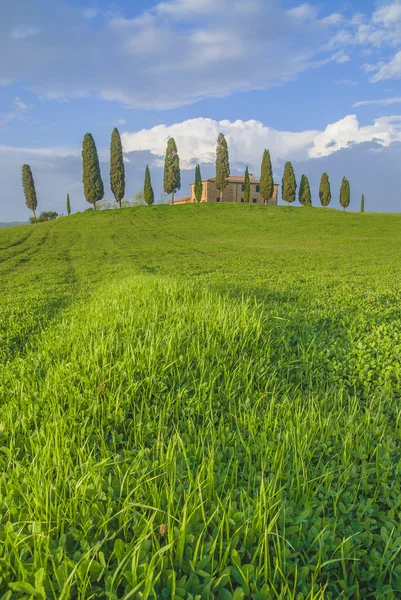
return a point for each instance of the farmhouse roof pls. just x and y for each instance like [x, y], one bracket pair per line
[181, 200]
[235, 179]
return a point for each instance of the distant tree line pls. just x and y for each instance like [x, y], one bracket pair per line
[94, 189]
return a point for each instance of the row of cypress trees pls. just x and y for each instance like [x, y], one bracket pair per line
[289, 188]
[289, 184]
[94, 188]
[91, 175]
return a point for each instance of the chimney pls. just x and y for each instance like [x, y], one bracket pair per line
[250, 175]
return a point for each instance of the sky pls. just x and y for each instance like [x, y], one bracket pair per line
[317, 83]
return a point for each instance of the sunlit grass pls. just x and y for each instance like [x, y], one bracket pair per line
[222, 422]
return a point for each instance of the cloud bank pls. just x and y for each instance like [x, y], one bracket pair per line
[214, 47]
[196, 140]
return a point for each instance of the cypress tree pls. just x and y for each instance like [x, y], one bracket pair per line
[222, 165]
[172, 175]
[363, 203]
[266, 178]
[324, 190]
[117, 169]
[147, 189]
[28, 185]
[247, 186]
[198, 184]
[91, 176]
[289, 184]
[68, 205]
[345, 193]
[304, 192]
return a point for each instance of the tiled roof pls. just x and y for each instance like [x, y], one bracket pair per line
[182, 200]
[236, 179]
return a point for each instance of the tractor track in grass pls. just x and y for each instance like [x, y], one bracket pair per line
[173, 236]
[4, 258]
[25, 255]
[17, 242]
[46, 309]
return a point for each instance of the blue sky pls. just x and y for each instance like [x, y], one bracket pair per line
[317, 83]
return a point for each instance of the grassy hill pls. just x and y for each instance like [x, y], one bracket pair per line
[201, 401]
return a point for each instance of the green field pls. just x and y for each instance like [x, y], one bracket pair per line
[201, 402]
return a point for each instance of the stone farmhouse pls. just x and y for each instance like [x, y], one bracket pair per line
[234, 192]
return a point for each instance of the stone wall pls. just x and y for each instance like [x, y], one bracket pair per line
[232, 193]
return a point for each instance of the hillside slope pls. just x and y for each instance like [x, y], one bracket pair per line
[208, 241]
[201, 402]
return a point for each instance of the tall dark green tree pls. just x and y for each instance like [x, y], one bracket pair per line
[345, 193]
[266, 178]
[363, 203]
[28, 185]
[324, 190]
[91, 176]
[172, 174]
[289, 184]
[222, 165]
[198, 188]
[68, 204]
[147, 188]
[117, 169]
[247, 186]
[305, 197]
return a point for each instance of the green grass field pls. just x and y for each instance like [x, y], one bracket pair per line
[201, 402]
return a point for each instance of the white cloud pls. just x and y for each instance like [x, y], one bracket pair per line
[20, 33]
[43, 159]
[179, 8]
[20, 105]
[18, 112]
[59, 151]
[391, 70]
[215, 48]
[345, 82]
[348, 131]
[380, 30]
[303, 12]
[90, 13]
[196, 140]
[176, 53]
[380, 102]
[341, 57]
[369, 68]
[384, 27]
[333, 19]
[389, 15]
